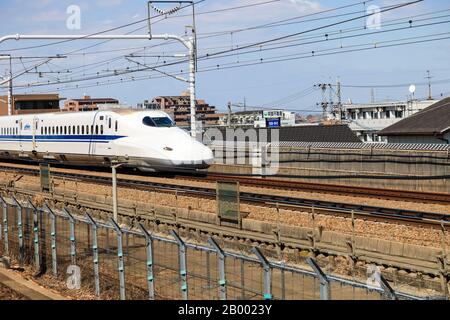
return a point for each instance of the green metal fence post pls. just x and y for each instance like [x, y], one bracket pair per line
[150, 273]
[221, 267]
[183, 265]
[53, 238]
[94, 227]
[121, 265]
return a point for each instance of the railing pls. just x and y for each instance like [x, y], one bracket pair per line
[107, 261]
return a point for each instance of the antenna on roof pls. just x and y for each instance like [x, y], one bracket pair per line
[412, 90]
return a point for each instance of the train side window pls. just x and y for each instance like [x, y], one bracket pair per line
[117, 125]
[92, 129]
[96, 129]
[73, 130]
[78, 129]
[82, 129]
[110, 123]
[65, 130]
[101, 129]
[87, 129]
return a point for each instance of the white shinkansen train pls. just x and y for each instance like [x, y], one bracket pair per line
[147, 140]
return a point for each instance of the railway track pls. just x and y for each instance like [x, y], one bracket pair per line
[385, 194]
[326, 207]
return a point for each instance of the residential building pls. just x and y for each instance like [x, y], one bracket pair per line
[180, 108]
[86, 103]
[368, 119]
[260, 119]
[431, 125]
[30, 104]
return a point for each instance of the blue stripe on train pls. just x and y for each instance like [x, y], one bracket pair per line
[62, 138]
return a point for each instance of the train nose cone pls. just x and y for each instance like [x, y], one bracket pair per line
[194, 155]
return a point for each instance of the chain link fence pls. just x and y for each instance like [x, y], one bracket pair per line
[110, 262]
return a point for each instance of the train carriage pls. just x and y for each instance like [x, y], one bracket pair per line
[147, 140]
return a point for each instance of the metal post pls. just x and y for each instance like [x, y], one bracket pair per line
[192, 87]
[5, 225]
[10, 88]
[53, 237]
[388, 292]
[37, 256]
[267, 275]
[325, 289]
[73, 244]
[94, 227]
[221, 267]
[19, 229]
[183, 265]
[114, 192]
[150, 275]
[121, 266]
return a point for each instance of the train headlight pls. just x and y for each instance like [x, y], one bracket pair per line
[168, 149]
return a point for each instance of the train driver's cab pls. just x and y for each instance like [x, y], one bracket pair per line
[158, 122]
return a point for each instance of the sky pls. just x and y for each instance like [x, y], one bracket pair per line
[316, 46]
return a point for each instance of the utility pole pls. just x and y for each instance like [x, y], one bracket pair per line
[10, 88]
[324, 87]
[429, 77]
[229, 115]
[339, 97]
[8, 80]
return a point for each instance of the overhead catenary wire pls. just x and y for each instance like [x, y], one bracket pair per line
[406, 41]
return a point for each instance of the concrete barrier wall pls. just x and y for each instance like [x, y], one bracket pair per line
[359, 167]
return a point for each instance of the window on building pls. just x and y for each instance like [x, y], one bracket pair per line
[388, 114]
[399, 114]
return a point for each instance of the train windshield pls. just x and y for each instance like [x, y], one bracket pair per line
[160, 122]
